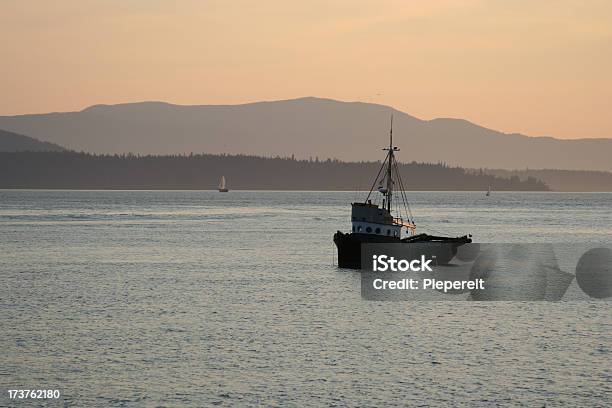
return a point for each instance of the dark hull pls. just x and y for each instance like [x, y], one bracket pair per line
[349, 246]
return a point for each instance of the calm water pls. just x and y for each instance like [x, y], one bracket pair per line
[200, 298]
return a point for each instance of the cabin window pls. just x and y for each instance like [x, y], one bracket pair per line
[368, 230]
[395, 233]
[358, 229]
[353, 228]
[388, 232]
[378, 230]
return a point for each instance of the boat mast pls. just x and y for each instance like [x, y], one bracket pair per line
[389, 161]
[389, 164]
[390, 158]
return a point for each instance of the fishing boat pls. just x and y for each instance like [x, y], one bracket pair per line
[488, 192]
[389, 222]
[222, 187]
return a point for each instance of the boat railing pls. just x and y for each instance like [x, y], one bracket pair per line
[400, 221]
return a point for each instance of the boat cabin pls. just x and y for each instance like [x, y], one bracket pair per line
[368, 218]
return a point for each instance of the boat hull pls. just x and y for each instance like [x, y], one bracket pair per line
[223, 190]
[349, 246]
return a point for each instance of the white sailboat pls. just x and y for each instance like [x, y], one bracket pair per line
[489, 191]
[222, 187]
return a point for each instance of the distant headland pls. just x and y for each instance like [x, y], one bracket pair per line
[73, 170]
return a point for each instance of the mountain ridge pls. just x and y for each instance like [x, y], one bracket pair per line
[306, 127]
[15, 142]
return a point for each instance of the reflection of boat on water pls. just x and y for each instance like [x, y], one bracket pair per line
[222, 187]
[488, 192]
[372, 223]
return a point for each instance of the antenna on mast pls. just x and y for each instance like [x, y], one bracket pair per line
[391, 134]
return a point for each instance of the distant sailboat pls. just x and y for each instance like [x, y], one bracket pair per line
[222, 186]
[489, 191]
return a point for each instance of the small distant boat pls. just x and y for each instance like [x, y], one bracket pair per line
[488, 192]
[222, 187]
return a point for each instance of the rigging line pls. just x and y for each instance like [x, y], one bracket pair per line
[402, 206]
[404, 196]
[407, 203]
[401, 187]
[376, 179]
[408, 209]
[435, 230]
[398, 208]
[399, 179]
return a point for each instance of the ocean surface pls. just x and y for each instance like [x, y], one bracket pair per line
[196, 298]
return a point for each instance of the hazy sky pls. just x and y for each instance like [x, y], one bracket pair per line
[536, 67]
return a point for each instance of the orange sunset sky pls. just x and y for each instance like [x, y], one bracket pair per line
[535, 67]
